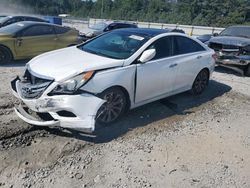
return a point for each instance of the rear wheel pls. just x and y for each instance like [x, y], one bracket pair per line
[113, 108]
[5, 55]
[247, 71]
[200, 82]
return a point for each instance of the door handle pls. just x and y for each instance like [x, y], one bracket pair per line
[199, 57]
[19, 42]
[173, 65]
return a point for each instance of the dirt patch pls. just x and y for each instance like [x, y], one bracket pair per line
[181, 141]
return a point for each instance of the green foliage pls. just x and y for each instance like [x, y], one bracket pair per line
[196, 12]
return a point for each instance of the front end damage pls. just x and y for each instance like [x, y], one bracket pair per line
[38, 107]
[232, 56]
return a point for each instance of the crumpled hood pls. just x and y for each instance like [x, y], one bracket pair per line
[229, 40]
[65, 63]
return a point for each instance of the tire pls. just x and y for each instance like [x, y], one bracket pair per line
[247, 71]
[5, 55]
[114, 108]
[200, 82]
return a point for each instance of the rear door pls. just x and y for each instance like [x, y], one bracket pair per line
[188, 56]
[35, 40]
[157, 76]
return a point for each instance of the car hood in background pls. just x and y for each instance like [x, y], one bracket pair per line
[68, 62]
[229, 40]
[91, 32]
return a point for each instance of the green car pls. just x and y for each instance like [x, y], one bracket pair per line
[24, 40]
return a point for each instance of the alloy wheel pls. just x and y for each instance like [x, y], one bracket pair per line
[112, 108]
[200, 82]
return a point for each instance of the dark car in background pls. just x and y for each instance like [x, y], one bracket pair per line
[232, 47]
[205, 38]
[176, 30]
[103, 27]
[7, 20]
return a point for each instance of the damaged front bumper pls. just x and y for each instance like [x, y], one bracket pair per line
[234, 60]
[67, 111]
[237, 63]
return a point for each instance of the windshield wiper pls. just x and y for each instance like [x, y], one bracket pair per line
[104, 55]
[98, 53]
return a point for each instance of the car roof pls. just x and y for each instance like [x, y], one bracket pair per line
[151, 32]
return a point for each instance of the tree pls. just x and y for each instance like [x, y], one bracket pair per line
[196, 12]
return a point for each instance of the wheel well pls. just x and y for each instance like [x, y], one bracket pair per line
[207, 70]
[126, 95]
[7, 48]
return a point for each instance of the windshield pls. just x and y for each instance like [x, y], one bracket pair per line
[116, 45]
[99, 26]
[236, 31]
[12, 28]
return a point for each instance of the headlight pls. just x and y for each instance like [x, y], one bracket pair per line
[73, 84]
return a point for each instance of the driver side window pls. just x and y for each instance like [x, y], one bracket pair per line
[163, 48]
[38, 30]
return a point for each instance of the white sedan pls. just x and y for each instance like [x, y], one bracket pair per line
[96, 82]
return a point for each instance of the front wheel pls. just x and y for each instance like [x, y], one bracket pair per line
[114, 106]
[200, 82]
[5, 55]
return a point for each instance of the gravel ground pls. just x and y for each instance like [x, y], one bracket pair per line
[181, 141]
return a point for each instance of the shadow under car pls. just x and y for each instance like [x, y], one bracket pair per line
[180, 104]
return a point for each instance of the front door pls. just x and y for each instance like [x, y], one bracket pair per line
[35, 40]
[156, 77]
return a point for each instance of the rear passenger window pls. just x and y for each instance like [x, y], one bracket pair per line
[38, 30]
[184, 45]
[61, 30]
[163, 47]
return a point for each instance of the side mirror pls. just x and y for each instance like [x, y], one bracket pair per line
[215, 34]
[147, 55]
